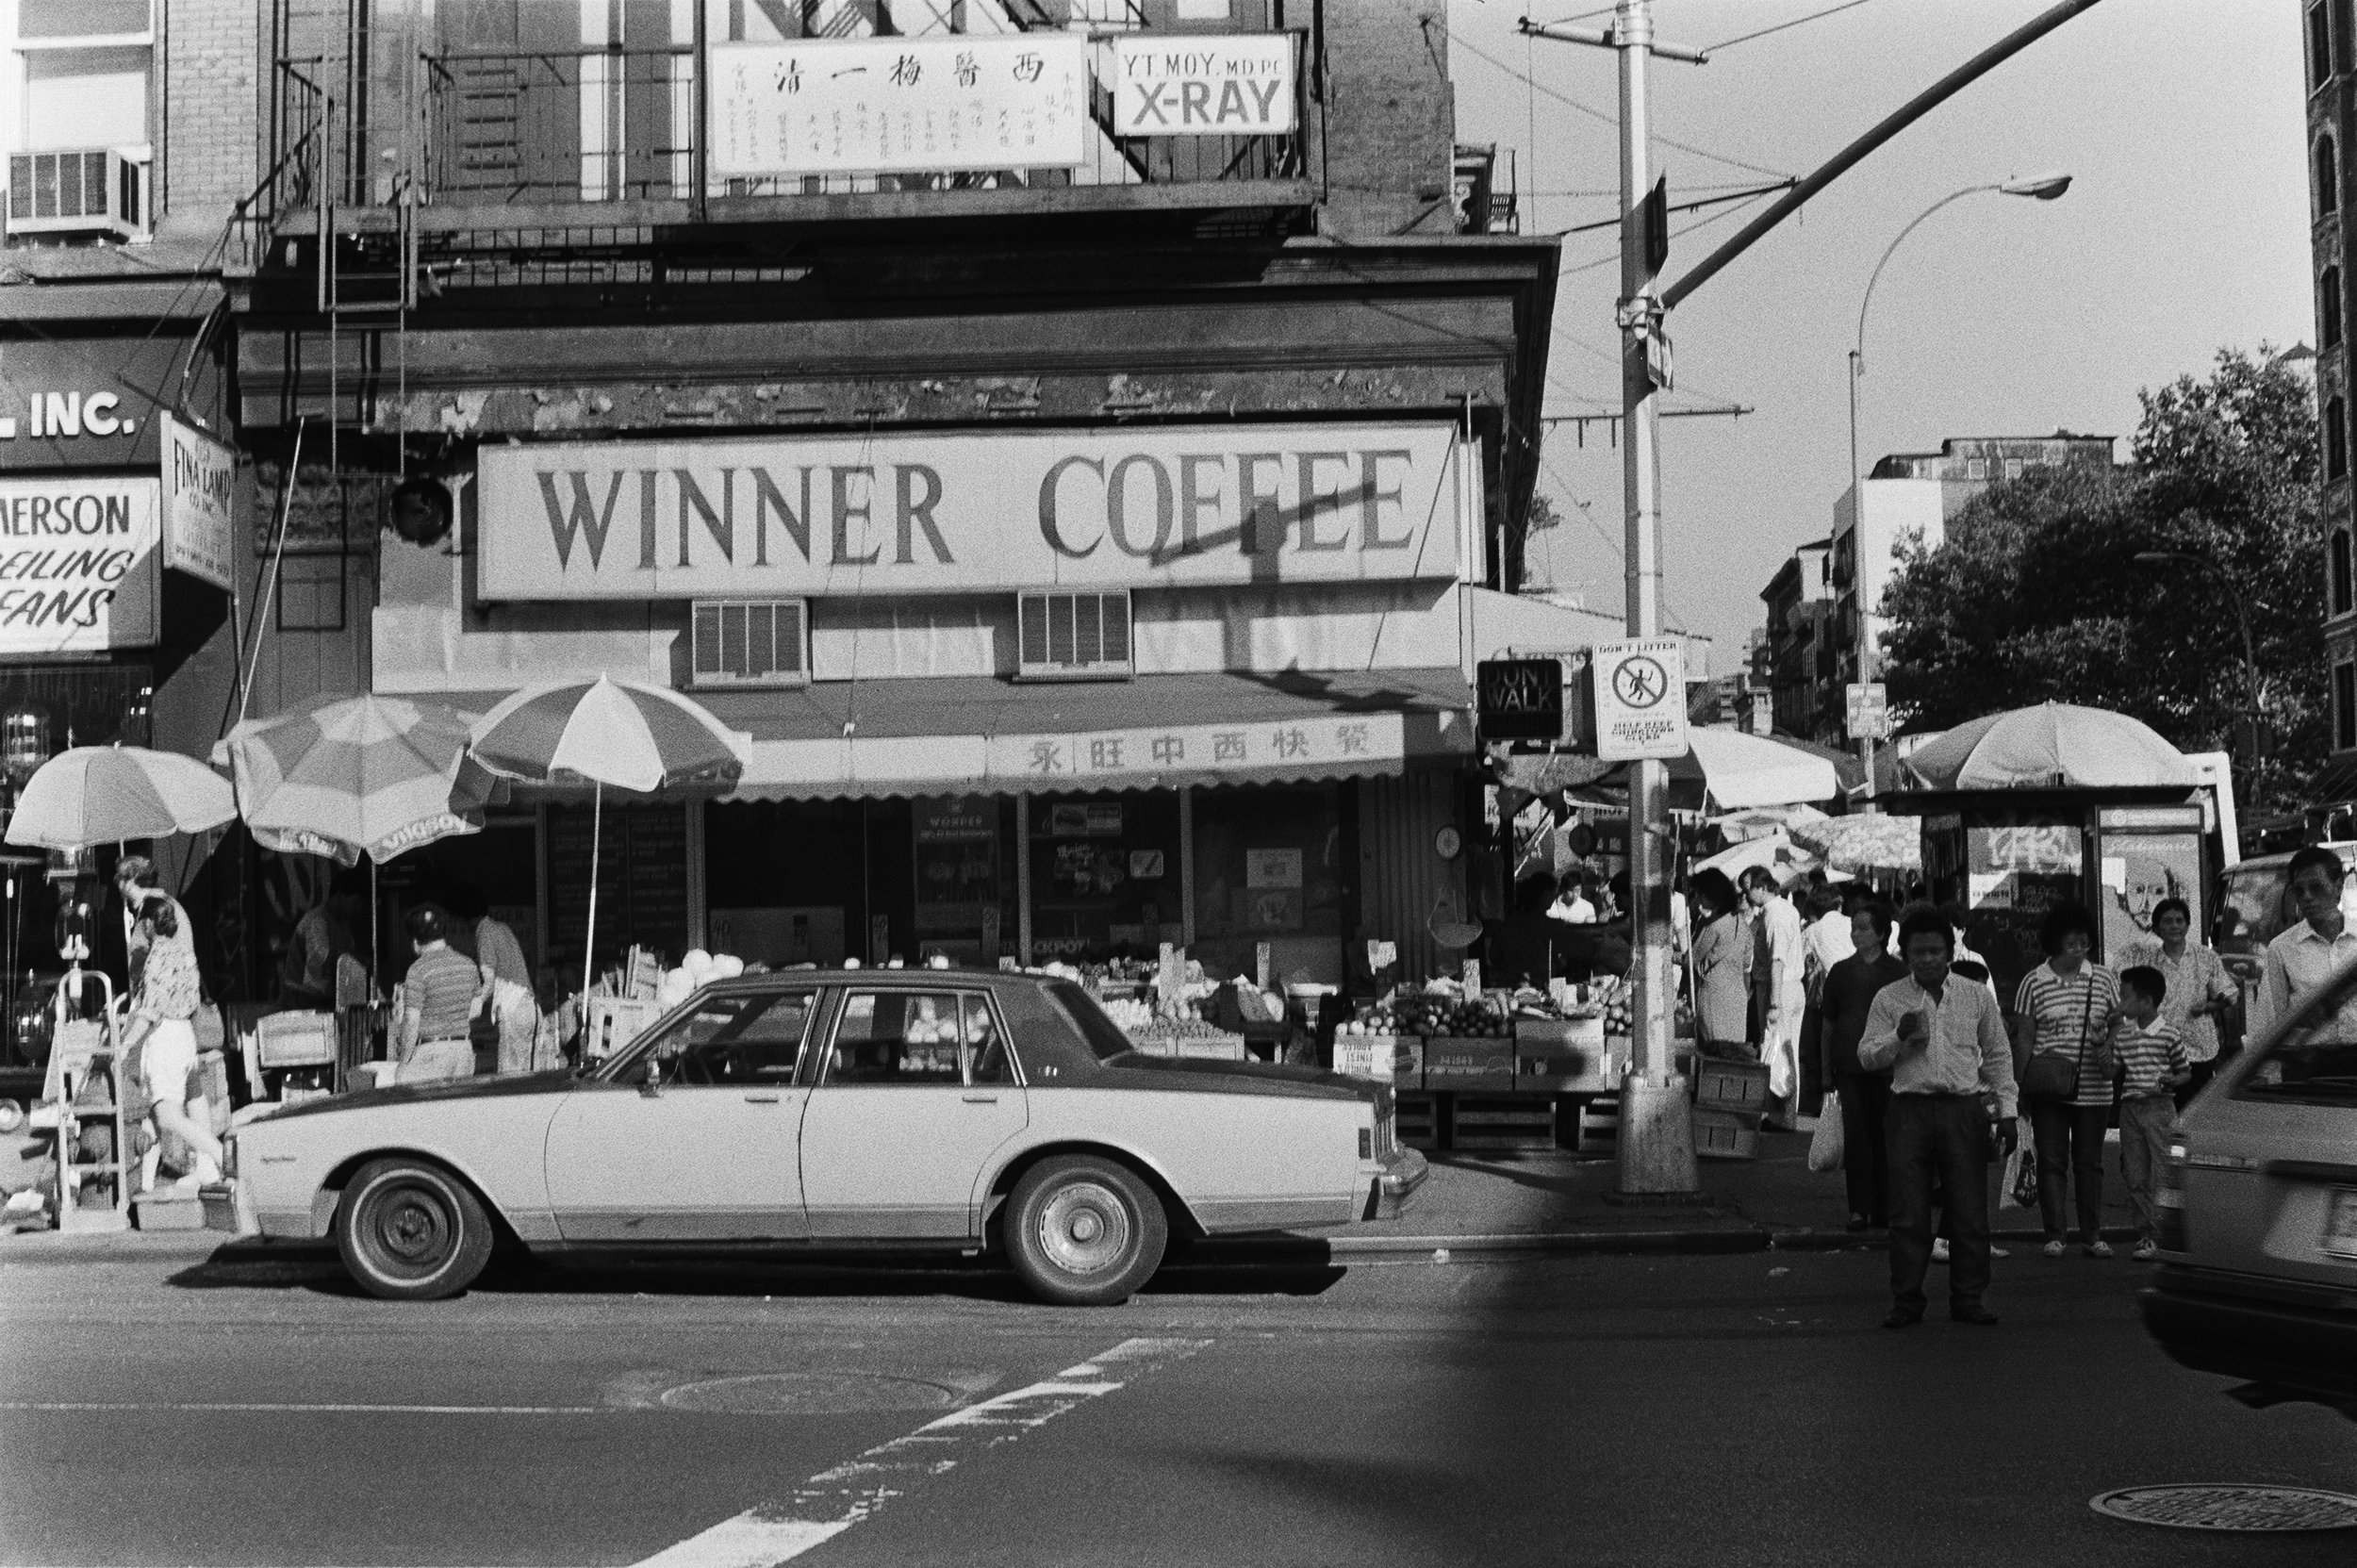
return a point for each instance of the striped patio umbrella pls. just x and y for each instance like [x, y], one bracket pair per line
[606, 732]
[108, 793]
[352, 776]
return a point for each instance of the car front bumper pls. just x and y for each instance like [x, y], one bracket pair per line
[1394, 1186]
[2203, 1322]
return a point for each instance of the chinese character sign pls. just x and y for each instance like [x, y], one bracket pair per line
[899, 104]
[1288, 743]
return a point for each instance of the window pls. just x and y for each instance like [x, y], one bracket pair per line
[749, 642]
[2344, 582]
[2329, 307]
[79, 164]
[2328, 178]
[1069, 635]
[2319, 43]
[1103, 1036]
[2335, 438]
[311, 593]
[2344, 706]
[740, 1039]
[1976, 467]
[2313, 1059]
[2013, 467]
[919, 1037]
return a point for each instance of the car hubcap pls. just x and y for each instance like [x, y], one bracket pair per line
[1084, 1228]
[413, 1230]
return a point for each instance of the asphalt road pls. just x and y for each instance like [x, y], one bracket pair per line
[1740, 1410]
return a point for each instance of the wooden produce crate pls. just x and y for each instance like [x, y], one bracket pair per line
[1416, 1120]
[1470, 1066]
[1725, 1134]
[615, 1022]
[1590, 1125]
[1741, 1087]
[1560, 1056]
[1502, 1124]
[1394, 1059]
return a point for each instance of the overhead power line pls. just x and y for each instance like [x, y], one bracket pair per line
[1798, 21]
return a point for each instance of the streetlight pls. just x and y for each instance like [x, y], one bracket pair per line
[2249, 647]
[2045, 188]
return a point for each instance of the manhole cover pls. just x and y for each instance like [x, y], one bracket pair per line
[809, 1394]
[2231, 1508]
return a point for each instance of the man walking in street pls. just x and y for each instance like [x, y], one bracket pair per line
[1780, 976]
[1851, 987]
[1944, 1042]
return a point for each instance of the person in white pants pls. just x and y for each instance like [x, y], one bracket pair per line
[1781, 980]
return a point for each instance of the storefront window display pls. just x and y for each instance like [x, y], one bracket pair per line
[1269, 867]
[1105, 875]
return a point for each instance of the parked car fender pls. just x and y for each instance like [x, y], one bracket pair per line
[297, 1165]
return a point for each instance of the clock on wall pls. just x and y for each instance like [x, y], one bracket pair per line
[1447, 842]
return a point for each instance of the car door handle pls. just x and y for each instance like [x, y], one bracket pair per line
[979, 1099]
[761, 1099]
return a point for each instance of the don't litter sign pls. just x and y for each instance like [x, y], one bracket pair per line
[1640, 699]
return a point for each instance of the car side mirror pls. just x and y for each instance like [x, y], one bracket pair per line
[649, 1078]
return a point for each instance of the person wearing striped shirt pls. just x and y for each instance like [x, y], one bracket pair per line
[2068, 1006]
[2152, 1064]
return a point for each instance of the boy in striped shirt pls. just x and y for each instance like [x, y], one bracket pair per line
[2151, 1064]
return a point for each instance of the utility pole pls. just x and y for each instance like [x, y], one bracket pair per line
[1656, 1140]
[1657, 1148]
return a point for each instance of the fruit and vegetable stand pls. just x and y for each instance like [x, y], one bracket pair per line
[1495, 1071]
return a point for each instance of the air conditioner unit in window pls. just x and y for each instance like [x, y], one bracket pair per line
[79, 190]
[1073, 636]
[750, 642]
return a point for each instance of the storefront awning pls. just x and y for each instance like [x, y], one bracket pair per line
[980, 733]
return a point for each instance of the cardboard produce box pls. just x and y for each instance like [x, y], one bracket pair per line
[1394, 1059]
[1453, 1062]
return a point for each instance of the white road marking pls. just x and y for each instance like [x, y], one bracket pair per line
[298, 1409]
[834, 1500]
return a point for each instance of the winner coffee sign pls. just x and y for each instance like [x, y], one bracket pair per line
[766, 517]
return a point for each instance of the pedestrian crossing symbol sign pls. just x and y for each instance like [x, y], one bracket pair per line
[1640, 699]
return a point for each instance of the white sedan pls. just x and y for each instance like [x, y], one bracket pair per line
[963, 1110]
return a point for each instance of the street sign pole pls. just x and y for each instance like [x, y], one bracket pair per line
[1657, 1138]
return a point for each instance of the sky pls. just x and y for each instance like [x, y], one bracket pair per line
[2185, 230]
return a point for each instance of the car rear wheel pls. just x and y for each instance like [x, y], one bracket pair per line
[1085, 1231]
[411, 1231]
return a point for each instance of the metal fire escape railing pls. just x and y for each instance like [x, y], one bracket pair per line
[603, 124]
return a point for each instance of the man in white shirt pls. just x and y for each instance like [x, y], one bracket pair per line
[2299, 960]
[1781, 984]
[1572, 904]
[1944, 1041]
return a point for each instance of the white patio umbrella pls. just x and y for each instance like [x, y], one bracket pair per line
[606, 732]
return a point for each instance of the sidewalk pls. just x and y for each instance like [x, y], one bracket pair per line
[1554, 1203]
[1472, 1204]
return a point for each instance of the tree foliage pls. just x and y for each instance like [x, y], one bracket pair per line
[2035, 594]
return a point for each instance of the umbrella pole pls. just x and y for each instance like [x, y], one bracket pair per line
[589, 942]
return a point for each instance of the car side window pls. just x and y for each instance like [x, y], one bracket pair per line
[918, 1037]
[987, 1059]
[739, 1039]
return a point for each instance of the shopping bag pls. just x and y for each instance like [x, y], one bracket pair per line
[1824, 1145]
[2018, 1190]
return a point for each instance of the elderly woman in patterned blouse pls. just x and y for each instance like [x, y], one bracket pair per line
[161, 1007]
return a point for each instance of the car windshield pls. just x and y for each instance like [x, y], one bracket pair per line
[1103, 1035]
[2313, 1057]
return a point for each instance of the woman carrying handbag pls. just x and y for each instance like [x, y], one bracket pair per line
[2064, 1013]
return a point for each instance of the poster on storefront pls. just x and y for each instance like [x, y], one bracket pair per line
[956, 842]
[876, 516]
[200, 480]
[899, 104]
[78, 564]
[1272, 868]
[1193, 84]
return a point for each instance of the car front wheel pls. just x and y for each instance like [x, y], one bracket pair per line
[411, 1231]
[1085, 1231]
